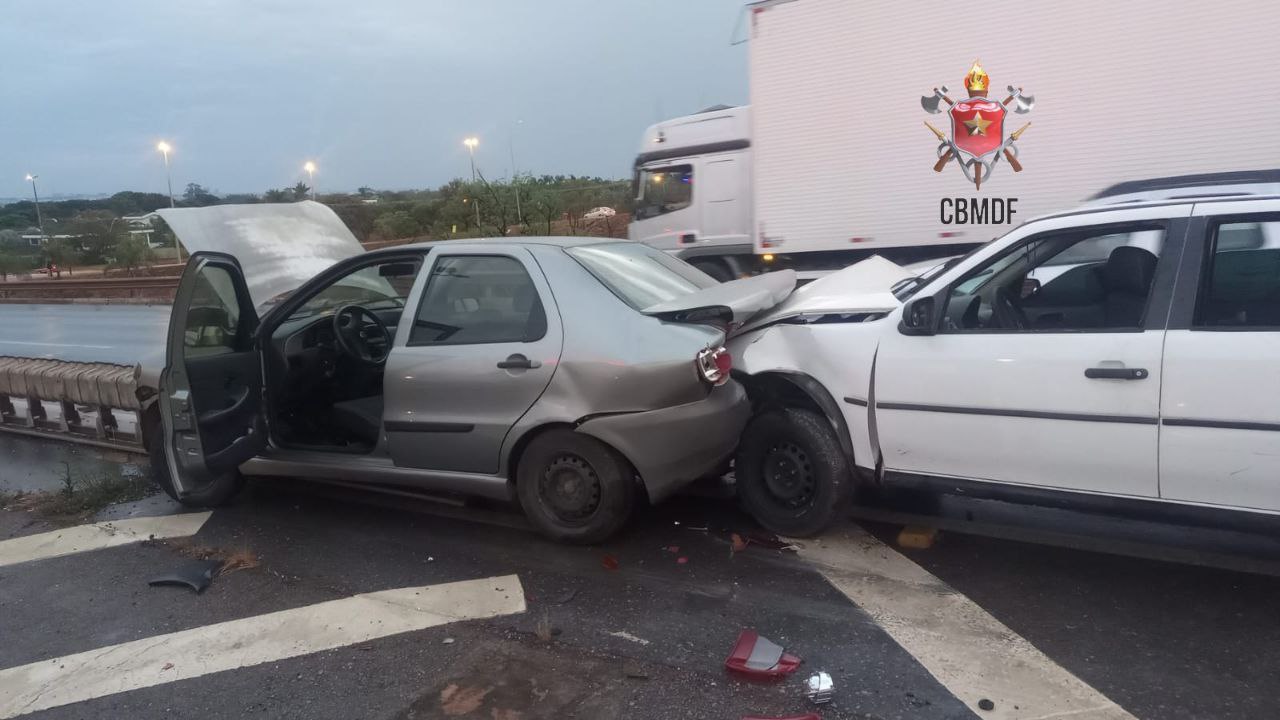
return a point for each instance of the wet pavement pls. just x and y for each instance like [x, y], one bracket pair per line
[645, 640]
[123, 334]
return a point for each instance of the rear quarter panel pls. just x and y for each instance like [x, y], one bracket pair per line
[615, 359]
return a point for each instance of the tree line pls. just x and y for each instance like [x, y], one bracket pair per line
[95, 234]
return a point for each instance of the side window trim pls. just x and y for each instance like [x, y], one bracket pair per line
[1158, 299]
[1196, 268]
[415, 304]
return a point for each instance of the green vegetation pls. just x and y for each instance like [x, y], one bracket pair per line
[81, 496]
[96, 233]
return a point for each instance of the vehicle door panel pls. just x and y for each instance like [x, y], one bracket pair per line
[1075, 408]
[211, 386]
[449, 406]
[1220, 424]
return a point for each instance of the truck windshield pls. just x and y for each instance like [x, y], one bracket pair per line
[663, 190]
[640, 275]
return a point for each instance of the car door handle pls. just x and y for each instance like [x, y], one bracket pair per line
[519, 362]
[1116, 373]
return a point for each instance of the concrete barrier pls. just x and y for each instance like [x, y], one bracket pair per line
[88, 397]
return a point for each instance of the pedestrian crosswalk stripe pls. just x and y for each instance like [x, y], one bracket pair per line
[252, 641]
[82, 538]
[974, 655]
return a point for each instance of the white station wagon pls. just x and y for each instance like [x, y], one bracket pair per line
[1125, 353]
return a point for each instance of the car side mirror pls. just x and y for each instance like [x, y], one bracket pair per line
[920, 317]
[1030, 286]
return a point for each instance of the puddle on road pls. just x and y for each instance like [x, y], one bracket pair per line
[34, 464]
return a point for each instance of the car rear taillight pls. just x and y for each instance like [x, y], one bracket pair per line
[714, 365]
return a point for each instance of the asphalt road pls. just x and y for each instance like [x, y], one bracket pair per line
[124, 334]
[644, 640]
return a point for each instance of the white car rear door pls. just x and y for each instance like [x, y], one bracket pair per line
[1220, 424]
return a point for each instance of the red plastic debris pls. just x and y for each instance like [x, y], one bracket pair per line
[739, 542]
[673, 549]
[609, 562]
[807, 716]
[682, 560]
[759, 658]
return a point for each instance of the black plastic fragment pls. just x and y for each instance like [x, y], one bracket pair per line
[197, 575]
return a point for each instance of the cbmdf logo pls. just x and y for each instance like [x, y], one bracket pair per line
[977, 141]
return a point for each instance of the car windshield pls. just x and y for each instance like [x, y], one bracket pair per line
[905, 289]
[640, 275]
[365, 287]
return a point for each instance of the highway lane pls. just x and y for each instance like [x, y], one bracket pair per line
[125, 334]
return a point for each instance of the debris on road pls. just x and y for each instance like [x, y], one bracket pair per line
[628, 636]
[682, 560]
[985, 704]
[820, 688]
[759, 658]
[197, 575]
[739, 543]
[917, 538]
[609, 562]
[447, 641]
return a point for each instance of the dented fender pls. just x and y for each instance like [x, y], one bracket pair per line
[835, 359]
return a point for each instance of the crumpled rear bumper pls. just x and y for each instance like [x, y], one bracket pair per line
[674, 446]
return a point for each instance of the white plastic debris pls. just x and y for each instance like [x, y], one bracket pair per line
[819, 688]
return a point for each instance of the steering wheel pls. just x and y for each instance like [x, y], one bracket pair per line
[1007, 312]
[361, 335]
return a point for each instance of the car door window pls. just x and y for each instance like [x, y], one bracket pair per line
[1241, 286]
[213, 317]
[474, 299]
[1061, 282]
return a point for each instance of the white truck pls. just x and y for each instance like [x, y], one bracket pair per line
[831, 162]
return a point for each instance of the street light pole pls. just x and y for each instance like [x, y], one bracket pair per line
[471, 144]
[36, 194]
[164, 149]
[310, 167]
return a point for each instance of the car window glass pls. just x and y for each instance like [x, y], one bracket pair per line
[472, 299]
[640, 275]
[381, 286]
[1062, 282]
[213, 317]
[663, 190]
[1242, 285]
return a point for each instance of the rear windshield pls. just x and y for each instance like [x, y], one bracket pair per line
[639, 274]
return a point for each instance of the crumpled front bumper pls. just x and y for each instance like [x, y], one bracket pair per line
[674, 446]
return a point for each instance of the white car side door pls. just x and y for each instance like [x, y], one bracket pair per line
[1054, 386]
[1220, 424]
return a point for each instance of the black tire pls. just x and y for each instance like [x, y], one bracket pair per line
[793, 477]
[574, 488]
[715, 269]
[218, 492]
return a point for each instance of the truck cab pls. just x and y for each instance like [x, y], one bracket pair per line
[692, 182]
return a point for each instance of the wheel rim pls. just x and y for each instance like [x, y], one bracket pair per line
[570, 489]
[788, 475]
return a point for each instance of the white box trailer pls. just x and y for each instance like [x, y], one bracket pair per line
[840, 164]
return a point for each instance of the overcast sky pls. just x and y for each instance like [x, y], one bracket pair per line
[377, 92]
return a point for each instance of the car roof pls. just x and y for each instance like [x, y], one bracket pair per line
[562, 242]
[1208, 199]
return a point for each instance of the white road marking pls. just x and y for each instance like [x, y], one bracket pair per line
[61, 345]
[252, 641]
[970, 652]
[97, 536]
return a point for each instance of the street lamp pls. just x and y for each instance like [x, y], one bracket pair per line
[471, 144]
[310, 167]
[164, 149]
[39, 220]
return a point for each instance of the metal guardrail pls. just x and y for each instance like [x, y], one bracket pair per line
[68, 287]
[88, 396]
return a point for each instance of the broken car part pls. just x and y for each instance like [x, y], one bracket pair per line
[759, 658]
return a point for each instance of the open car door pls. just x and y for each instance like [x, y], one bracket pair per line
[211, 387]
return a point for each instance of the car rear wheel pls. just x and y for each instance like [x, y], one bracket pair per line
[574, 488]
[217, 492]
[792, 475]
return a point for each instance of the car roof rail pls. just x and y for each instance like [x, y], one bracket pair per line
[1205, 180]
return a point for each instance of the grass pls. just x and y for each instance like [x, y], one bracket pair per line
[80, 496]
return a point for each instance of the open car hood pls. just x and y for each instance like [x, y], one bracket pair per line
[863, 287]
[279, 245]
[730, 304]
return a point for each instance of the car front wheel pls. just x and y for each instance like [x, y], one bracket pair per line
[574, 488]
[792, 475]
